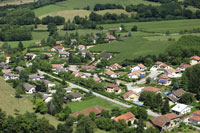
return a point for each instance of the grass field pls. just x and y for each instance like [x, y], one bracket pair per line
[14, 2]
[77, 106]
[9, 103]
[80, 4]
[172, 26]
[132, 47]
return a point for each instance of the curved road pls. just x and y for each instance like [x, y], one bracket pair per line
[99, 95]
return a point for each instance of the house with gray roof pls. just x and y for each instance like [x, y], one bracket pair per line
[30, 89]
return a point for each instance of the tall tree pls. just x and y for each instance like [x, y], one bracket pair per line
[165, 109]
[20, 46]
[85, 125]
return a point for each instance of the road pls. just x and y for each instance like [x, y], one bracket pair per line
[99, 95]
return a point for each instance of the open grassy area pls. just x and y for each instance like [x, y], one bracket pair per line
[9, 103]
[14, 2]
[80, 4]
[132, 47]
[172, 26]
[77, 106]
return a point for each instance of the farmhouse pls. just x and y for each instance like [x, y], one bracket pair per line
[112, 74]
[194, 60]
[139, 67]
[166, 122]
[126, 117]
[58, 48]
[73, 97]
[30, 89]
[151, 89]
[30, 56]
[115, 67]
[96, 109]
[130, 95]
[164, 80]
[173, 73]
[181, 109]
[113, 88]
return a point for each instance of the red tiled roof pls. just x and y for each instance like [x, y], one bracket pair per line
[127, 117]
[88, 67]
[115, 66]
[150, 88]
[141, 66]
[197, 112]
[97, 79]
[137, 72]
[172, 70]
[55, 66]
[96, 109]
[129, 93]
[185, 65]
[159, 63]
[81, 46]
[108, 72]
[195, 58]
[58, 47]
[164, 77]
[195, 118]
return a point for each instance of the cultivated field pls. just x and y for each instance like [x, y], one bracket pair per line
[132, 47]
[14, 2]
[77, 106]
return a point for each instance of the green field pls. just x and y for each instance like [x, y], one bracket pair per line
[172, 26]
[80, 4]
[9, 103]
[77, 106]
[132, 47]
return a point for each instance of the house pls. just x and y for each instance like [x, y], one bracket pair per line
[113, 88]
[48, 54]
[161, 65]
[88, 68]
[173, 73]
[175, 95]
[195, 118]
[68, 90]
[151, 89]
[166, 122]
[112, 74]
[30, 56]
[10, 75]
[126, 117]
[35, 77]
[73, 97]
[78, 74]
[60, 70]
[135, 74]
[8, 58]
[30, 89]
[115, 67]
[4, 65]
[110, 37]
[97, 79]
[81, 47]
[164, 80]
[85, 52]
[59, 42]
[105, 56]
[46, 97]
[73, 41]
[37, 43]
[49, 84]
[64, 54]
[139, 67]
[56, 66]
[130, 95]
[181, 109]
[194, 60]
[58, 48]
[183, 66]
[96, 109]
[19, 68]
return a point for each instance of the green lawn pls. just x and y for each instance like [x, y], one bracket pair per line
[80, 4]
[172, 26]
[9, 103]
[77, 106]
[132, 47]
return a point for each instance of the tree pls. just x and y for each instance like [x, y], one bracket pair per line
[158, 101]
[165, 109]
[140, 126]
[187, 98]
[115, 111]
[40, 106]
[120, 126]
[142, 113]
[134, 28]
[148, 80]
[92, 116]
[20, 46]
[85, 125]
[23, 75]
[52, 28]
[148, 62]
[104, 123]
[67, 127]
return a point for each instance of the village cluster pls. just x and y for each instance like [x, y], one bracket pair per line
[127, 82]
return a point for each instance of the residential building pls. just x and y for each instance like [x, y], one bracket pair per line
[151, 89]
[81, 47]
[131, 95]
[56, 66]
[78, 74]
[166, 122]
[195, 118]
[194, 60]
[139, 67]
[37, 43]
[115, 67]
[68, 90]
[126, 117]
[35, 77]
[105, 56]
[30, 89]
[112, 74]
[49, 84]
[97, 79]
[30, 56]
[181, 109]
[161, 65]
[96, 109]
[8, 58]
[175, 95]
[110, 37]
[183, 66]
[73, 97]
[64, 54]
[164, 80]
[173, 73]
[113, 88]
[58, 48]
[135, 74]
[10, 75]
[88, 68]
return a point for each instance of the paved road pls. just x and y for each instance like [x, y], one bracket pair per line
[99, 95]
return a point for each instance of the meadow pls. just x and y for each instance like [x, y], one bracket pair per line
[132, 47]
[77, 106]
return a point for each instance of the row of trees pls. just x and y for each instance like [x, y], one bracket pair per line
[58, 20]
[98, 7]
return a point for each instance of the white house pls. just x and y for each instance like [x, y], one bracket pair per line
[140, 67]
[135, 74]
[30, 89]
[112, 74]
[173, 73]
[194, 60]
[49, 84]
[181, 109]
[11, 76]
[81, 47]
[35, 77]
[30, 56]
